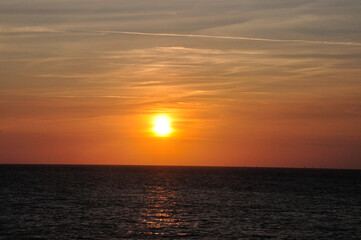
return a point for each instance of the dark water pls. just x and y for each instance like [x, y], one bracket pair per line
[113, 202]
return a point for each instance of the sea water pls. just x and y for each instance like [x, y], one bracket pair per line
[141, 202]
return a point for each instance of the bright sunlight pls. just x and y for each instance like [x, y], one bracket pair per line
[162, 127]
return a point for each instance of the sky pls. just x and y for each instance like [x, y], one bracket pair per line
[246, 82]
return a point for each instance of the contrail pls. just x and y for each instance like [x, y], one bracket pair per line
[233, 38]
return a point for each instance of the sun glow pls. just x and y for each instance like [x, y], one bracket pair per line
[162, 125]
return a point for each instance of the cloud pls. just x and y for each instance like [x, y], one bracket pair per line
[28, 29]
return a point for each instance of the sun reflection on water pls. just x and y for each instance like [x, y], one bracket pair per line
[162, 215]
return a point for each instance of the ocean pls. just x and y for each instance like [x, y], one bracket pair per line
[156, 202]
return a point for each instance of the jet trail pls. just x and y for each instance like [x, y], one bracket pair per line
[233, 38]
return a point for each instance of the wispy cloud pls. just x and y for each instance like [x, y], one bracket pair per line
[28, 29]
[42, 29]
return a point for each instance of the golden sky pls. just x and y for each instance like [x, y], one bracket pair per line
[246, 83]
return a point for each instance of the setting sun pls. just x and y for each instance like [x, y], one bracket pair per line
[162, 127]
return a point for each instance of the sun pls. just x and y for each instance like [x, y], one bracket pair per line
[162, 125]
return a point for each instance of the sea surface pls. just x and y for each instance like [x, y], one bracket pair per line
[142, 202]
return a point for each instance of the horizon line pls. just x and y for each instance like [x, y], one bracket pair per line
[164, 165]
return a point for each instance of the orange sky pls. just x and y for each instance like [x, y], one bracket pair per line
[247, 83]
